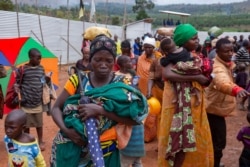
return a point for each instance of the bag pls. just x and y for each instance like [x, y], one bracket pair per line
[53, 94]
[150, 128]
[46, 94]
[215, 31]
[2, 71]
[13, 98]
[165, 31]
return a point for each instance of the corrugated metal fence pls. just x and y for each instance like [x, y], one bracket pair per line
[53, 32]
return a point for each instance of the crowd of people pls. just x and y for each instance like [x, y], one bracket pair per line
[103, 114]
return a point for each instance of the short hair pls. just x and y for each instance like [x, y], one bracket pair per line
[125, 44]
[165, 41]
[121, 59]
[245, 43]
[221, 42]
[17, 115]
[242, 67]
[32, 50]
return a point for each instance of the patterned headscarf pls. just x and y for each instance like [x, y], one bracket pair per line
[102, 42]
[183, 33]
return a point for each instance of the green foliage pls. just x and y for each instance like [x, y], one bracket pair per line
[230, 17]
[60, 14]
[115, 20]
[140, 8]
[6, 5]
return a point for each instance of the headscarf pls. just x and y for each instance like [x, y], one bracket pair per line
[102, 42]
[183, 33]
[150, 41]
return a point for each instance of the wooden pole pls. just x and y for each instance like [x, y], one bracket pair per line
[125, 13]
[37, 38]
[72, 46]
[124, 20]
[106, 7]
[68, 33]
[17, 16]
[40, 26]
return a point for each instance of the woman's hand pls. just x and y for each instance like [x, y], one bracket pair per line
[74, 136]
[201, 79]
[149, 95]
[89, 111]
[168, 74]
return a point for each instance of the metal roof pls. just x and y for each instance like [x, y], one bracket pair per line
[174, 13]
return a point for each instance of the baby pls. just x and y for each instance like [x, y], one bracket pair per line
[22, 148]
[184, 64]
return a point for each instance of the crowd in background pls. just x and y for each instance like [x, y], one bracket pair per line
[195, 82]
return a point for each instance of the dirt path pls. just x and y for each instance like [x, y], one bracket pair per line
[230, 158]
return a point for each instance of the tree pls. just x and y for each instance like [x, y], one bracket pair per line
[6, 5]
[115, 20]
[140, 8]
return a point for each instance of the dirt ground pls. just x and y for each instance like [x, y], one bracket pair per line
[230, 158]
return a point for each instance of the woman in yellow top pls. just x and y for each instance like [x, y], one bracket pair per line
[201, 155]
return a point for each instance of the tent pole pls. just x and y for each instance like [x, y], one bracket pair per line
[17, 15]
[68, 33]
[106, 6]
[40, 26]
[125, 13]
[37, 38]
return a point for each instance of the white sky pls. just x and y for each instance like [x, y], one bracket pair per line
[167, 2]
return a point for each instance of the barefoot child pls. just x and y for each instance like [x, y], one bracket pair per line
[22, 148]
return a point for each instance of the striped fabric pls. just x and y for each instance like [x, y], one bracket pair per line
[242, 55]
[32, 86]
[135, 147]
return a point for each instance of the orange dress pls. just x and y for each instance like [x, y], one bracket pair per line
[203, 156]
[143, 66]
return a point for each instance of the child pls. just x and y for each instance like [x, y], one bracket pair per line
[132, 153]
[125, 67]
[31, 90]
[241, 80]
[244, 136]
[22, 148]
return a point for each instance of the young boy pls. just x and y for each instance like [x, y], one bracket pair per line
[22, 148]
[241, 80]
[31, 90]
[244, 137]
[132, 153]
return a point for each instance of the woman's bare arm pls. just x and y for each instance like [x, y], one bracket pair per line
[58, 119]
[93, 110]
[168, 74]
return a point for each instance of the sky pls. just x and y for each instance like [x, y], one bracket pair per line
[167, 2]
